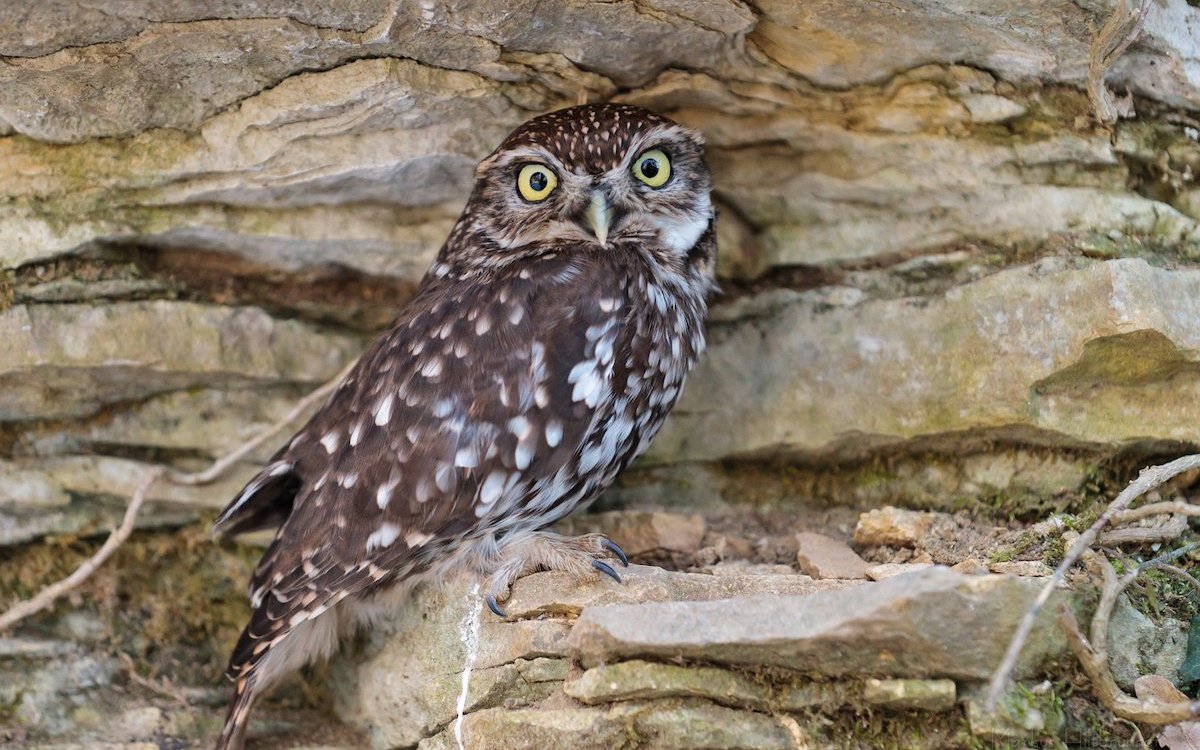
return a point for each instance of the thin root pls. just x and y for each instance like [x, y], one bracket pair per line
[58, 589]
[1149, 478]
[1121, 29]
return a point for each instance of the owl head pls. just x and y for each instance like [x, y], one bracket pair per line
[597, 174]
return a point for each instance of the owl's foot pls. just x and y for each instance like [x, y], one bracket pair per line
[543, 550]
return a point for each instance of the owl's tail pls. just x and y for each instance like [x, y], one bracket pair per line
[238, 717]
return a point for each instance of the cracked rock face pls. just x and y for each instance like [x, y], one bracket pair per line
[229, 201]
[943, 282]
[693, 660]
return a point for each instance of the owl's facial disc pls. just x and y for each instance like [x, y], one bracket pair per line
[610, 176]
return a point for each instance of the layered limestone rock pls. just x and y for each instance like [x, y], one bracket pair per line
[208, 213]
[944, 283]
[685, 660]
[1076, 350]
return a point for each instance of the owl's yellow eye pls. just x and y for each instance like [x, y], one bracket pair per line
[536, 182]
[653, 168]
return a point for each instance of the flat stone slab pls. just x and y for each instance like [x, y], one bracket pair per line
[929, 695]
[895, 527]
[404, 681]
[641, 532]
[1027, 568]
[636, 679]
[682, 726]
[565, 595]
[823, 557]
[883, 571]
[934, 623]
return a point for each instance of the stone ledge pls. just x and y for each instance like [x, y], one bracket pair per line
[673, 655]
[923, 624]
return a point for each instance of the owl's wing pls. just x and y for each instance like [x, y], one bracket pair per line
[466, 412]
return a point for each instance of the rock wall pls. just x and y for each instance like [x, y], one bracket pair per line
[928, 243]
[944, 283]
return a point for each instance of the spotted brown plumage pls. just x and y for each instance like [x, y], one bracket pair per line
[538, 358]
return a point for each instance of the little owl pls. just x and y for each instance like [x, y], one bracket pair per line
[537, 359]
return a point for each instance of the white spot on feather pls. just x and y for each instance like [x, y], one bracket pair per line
[520, 427]
[443, 407]
[493, 487]
[383, 536]
[443, 475]
[383, 411]
[523, 455]
[432, 368]
[554, 432]
[467, 458]
[588, 383]
[416, 539]
[383, 495]
[331, 440]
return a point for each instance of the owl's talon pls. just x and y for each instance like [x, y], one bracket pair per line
[606, 569]
[614, 548]
[492, 605]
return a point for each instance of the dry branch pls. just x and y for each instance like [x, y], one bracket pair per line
[1168, 507]
[1183, 575]
[54, 591]
[1107, 690]
[1148, 479]
[58, 589]
[1145, 534]
[1093, 655]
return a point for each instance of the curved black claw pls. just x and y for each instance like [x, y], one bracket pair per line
[606, 569]
[492, 605]
[612, 547]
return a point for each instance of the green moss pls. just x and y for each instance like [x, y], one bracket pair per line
[1130, 359]
[1049, 704]
[174, 602]
[1160, 594]
[889, 731]
[7, 289]
[1054, 551]
[1023, 544]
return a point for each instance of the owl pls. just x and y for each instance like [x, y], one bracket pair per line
[538, 357]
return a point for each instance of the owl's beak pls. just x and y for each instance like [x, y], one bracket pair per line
[599, 216]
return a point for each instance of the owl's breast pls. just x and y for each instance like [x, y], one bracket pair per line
[636, 360]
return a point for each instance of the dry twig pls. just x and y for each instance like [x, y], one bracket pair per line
[58, 589]
[1182, 574]
[1093, 655]
[1114, 38]
[162, 686]
[1145, 534]
[1148, 479]
[1172, 507]
[54, 591]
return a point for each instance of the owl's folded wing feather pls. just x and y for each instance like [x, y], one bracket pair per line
[469, 413]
